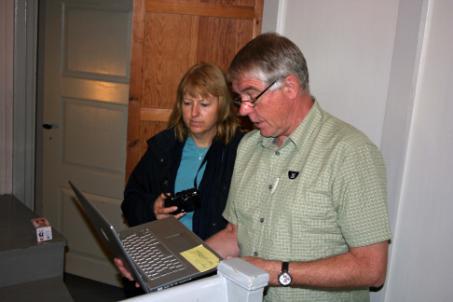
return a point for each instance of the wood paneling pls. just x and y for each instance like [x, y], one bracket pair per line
[198, 9]
[169, 51]
[169, 36]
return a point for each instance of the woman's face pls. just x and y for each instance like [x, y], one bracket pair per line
[200, 116]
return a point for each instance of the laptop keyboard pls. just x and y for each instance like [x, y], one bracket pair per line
[153, 259]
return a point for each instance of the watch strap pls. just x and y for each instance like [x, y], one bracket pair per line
[285, 266]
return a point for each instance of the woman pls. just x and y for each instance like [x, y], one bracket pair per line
[203, 124]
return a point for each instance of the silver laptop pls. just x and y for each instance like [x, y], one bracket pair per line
[159, 254]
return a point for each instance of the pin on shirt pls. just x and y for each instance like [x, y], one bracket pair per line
[274, 187]
[293, 174]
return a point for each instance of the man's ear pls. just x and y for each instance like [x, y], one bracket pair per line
[291, 86]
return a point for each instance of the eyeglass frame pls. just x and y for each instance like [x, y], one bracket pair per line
[254, 100]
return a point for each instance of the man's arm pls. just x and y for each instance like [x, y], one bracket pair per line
[225, 242]
[360, 267]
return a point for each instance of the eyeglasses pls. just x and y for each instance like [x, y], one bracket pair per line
[253, 100]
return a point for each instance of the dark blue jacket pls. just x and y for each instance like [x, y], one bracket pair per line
[156, 173]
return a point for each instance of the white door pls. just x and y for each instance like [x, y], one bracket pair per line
[86, 58]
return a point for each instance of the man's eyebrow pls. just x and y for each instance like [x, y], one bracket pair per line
[249, 88]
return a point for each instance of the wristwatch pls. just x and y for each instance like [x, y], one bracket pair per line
[285, 278]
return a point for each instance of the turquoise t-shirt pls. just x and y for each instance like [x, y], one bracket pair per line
[192, 156]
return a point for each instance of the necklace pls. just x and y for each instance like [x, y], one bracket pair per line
[202, 153]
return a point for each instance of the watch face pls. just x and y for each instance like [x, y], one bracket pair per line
[284, 279]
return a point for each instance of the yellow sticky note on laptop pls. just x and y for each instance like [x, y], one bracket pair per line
[201, 258]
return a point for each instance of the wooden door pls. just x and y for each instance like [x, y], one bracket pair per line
[169, 36]
[86, 67]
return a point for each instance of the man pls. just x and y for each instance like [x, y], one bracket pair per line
[307, 201]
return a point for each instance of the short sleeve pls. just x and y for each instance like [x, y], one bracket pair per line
[360, 192]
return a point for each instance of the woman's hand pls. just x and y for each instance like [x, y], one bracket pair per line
[160, 211]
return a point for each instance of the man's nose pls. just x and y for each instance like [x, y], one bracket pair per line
[245, 109]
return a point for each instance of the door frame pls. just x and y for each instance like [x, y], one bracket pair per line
[25, 34]
[6, 94]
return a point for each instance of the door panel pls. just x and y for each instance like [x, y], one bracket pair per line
[85, 99]
[219, 32]
[100, 91]
[162, 49]
[99, 150]
[101, 54]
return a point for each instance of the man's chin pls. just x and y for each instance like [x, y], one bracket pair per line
[266, 133]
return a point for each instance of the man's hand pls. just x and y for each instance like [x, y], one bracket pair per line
[124, 272]
[225, 242]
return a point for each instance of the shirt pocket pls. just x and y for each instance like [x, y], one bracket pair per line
[318, 214]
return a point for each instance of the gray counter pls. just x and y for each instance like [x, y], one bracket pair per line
[28, 267]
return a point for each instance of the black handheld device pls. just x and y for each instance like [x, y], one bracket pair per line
[186, 201]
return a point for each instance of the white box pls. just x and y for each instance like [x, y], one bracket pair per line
[43, 229]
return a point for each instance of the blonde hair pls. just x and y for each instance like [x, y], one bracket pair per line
[201, 80]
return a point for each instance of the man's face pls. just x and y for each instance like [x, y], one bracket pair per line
[269, 113]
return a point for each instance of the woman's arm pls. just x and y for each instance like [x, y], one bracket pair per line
[140, 193]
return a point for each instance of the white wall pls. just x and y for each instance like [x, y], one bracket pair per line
[422, 262]
[387, 68]
[348, 46]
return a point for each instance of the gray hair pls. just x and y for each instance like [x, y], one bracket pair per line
[270, 56]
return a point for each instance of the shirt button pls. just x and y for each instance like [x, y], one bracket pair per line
[255, 254]
[277, 153]
[261, 220]
[270, 187]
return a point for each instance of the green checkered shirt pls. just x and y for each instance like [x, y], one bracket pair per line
[321, 192]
